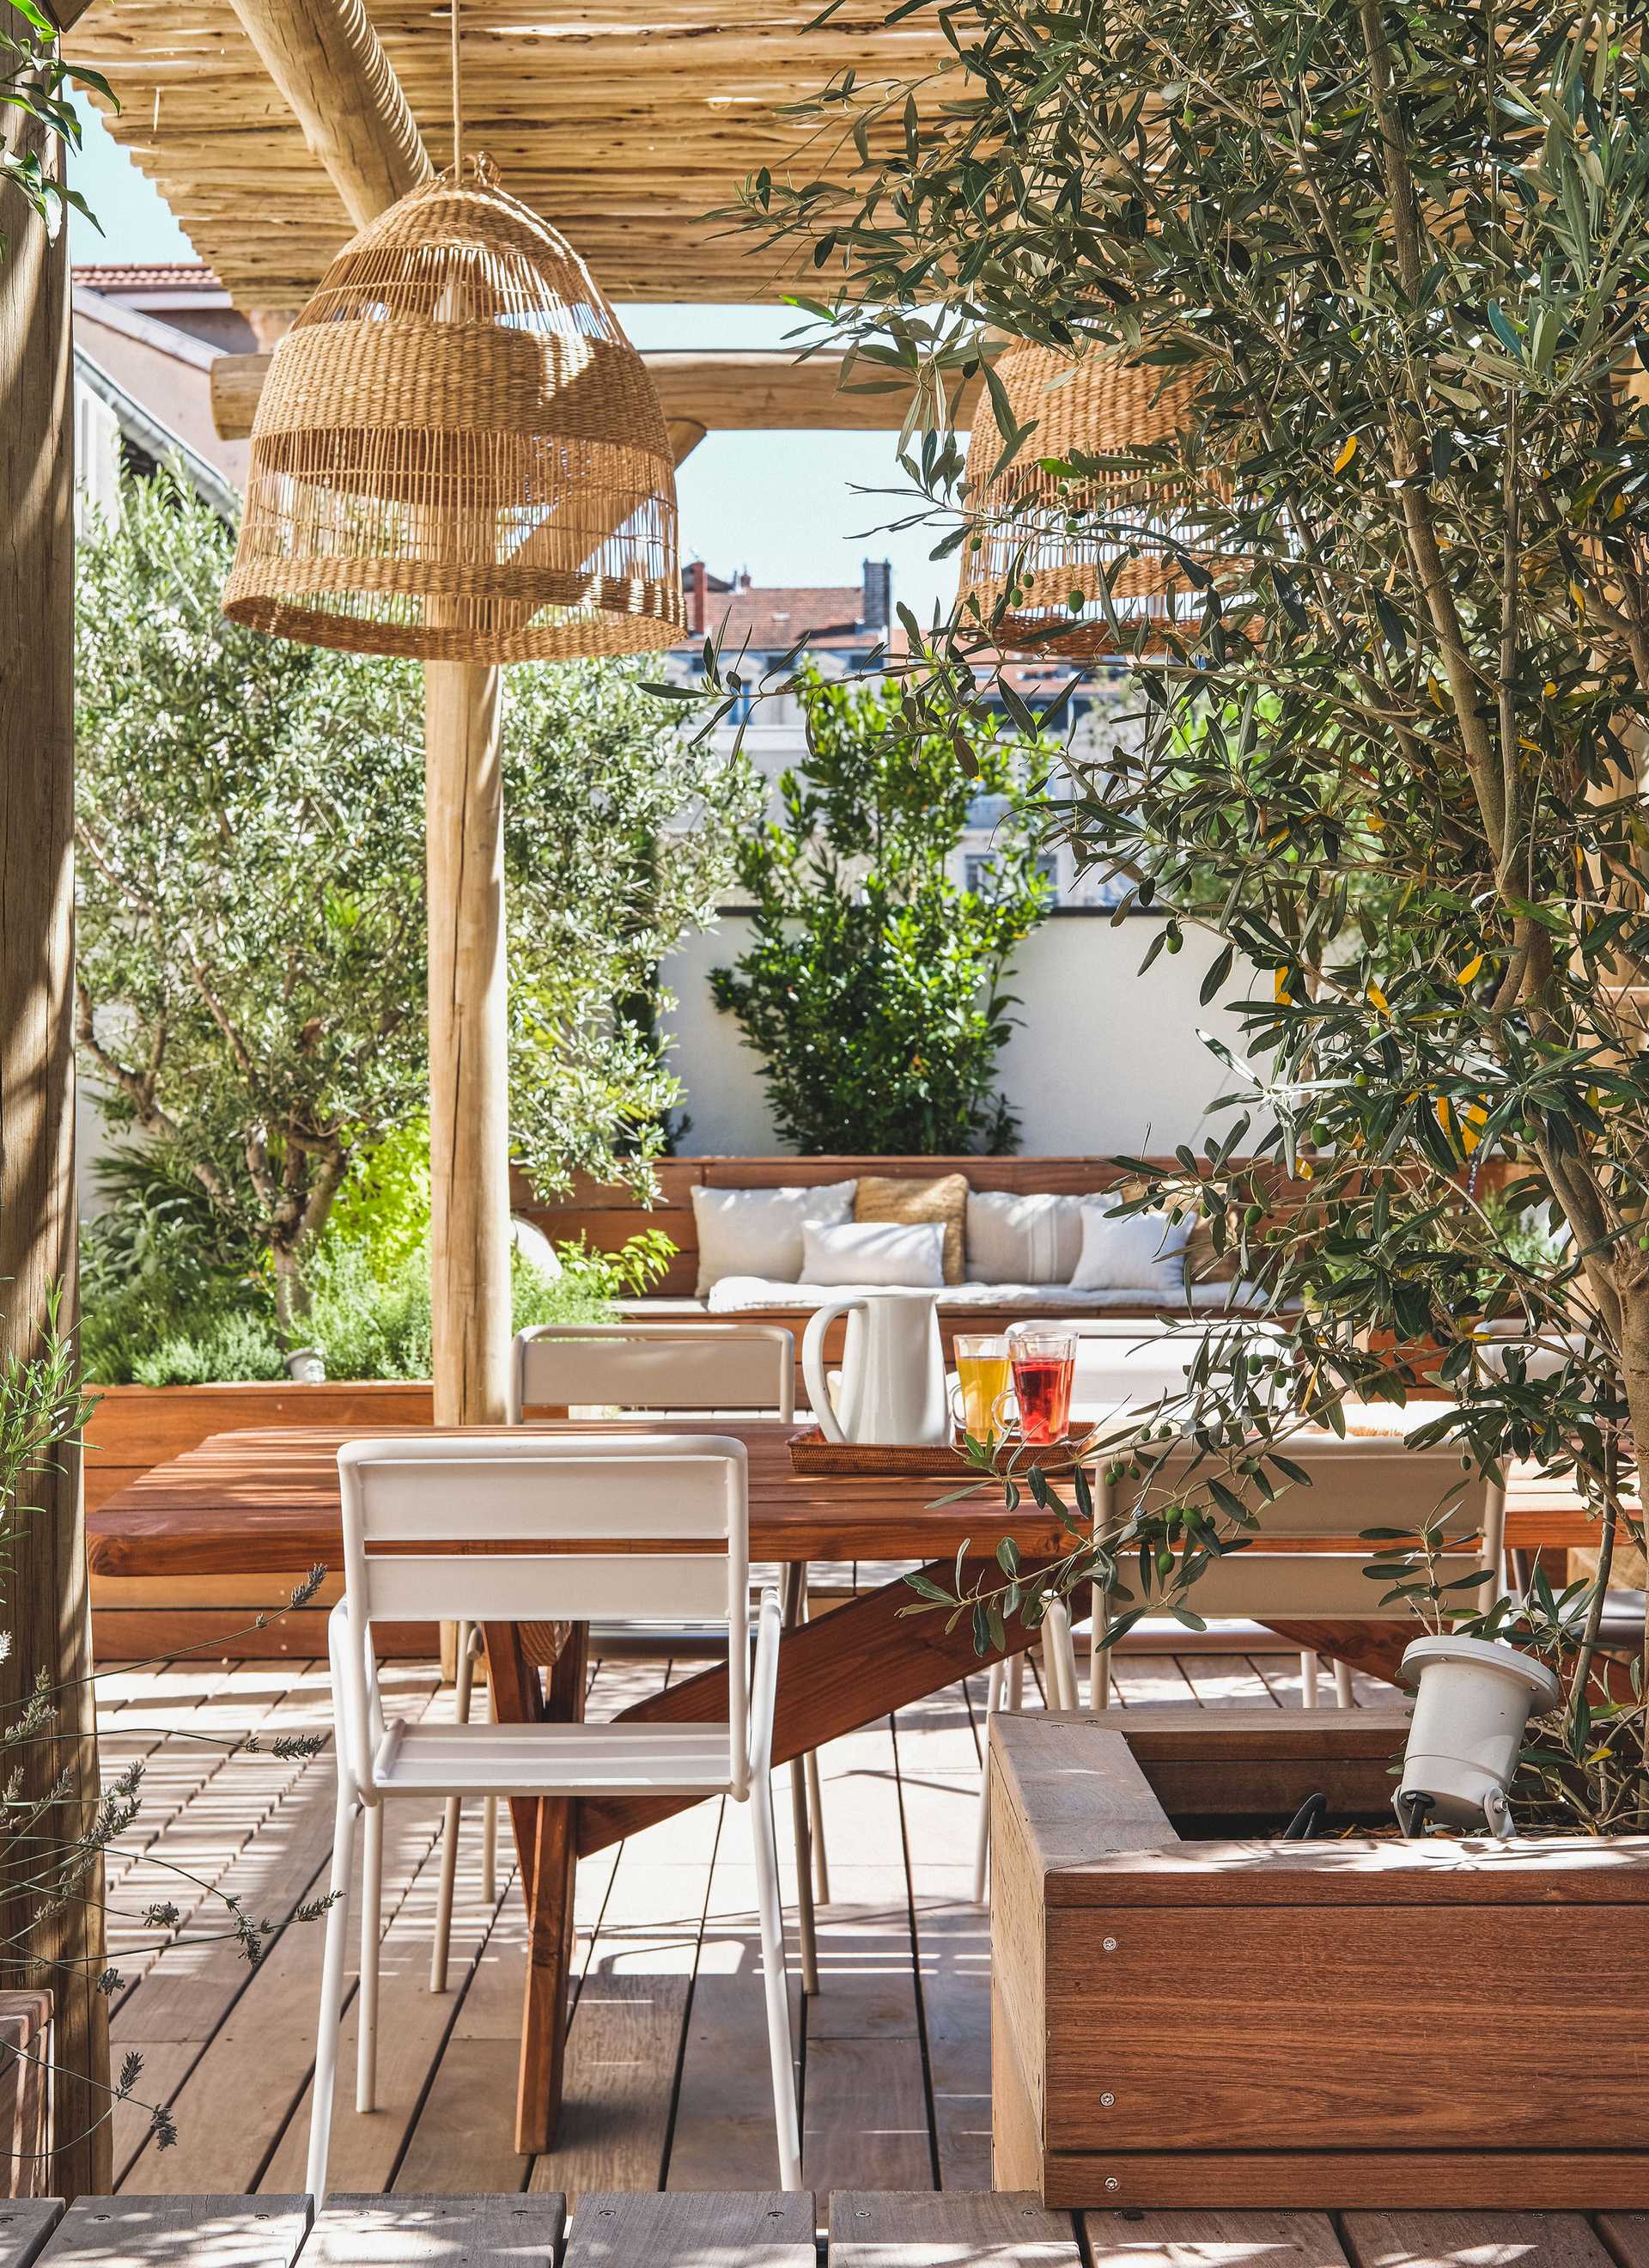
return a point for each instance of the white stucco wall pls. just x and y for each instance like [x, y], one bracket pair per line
[1104, 1059]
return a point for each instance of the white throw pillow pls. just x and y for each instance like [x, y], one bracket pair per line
[1142, 1252]
[908, 1254]
[758, 1232]
[1022, 1239]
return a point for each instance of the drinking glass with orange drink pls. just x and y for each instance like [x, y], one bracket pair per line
[983, 1379]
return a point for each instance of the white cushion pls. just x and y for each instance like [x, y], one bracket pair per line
[740, 1295]
[1014, 1238]
[911, 1254]
[759, 1231]
[1142, 1252]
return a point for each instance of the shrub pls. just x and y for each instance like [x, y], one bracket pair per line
[874, 987]
[168, 1303]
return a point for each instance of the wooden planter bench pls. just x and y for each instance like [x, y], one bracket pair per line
[1335, 2023]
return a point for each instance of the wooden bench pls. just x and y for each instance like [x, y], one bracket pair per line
[862, 2229]
[606, 1216]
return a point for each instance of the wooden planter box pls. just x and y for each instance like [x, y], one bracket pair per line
[135, 1427]
[1341, 2023]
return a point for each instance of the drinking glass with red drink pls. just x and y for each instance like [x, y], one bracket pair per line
[1044, 1363]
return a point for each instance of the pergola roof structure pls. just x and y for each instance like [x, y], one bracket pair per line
[624, 126]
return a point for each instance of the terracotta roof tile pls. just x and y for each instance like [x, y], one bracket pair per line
[146, 275]
[770, 621]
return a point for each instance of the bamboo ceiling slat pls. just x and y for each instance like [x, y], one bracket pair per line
[624, 129]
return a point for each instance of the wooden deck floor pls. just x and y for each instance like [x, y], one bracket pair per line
[666, 2064]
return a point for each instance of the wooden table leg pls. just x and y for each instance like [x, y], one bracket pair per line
[547, 1841]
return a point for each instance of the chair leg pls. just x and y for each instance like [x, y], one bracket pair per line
[815, 1813]
[775, 1983]
[488, 1819]
[1059, 1656]
[794, 1585]
[331, 1996]
[1100, 1673]
[1309, 1667]
[371, 1927]
[1343, 1692]
[442, 1946]
[982, 1832]
[816, 1798]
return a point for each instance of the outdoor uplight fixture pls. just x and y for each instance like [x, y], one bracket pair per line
[458, 455]
[1054, 547]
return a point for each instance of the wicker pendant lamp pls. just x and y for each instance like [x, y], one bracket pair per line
[1038, 549]
[458, 455]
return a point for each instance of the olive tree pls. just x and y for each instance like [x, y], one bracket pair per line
[1390, 753]
[252, 956]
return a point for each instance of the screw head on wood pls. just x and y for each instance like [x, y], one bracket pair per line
[1106, 2102]
[1111, 2182]
[1108, 1945]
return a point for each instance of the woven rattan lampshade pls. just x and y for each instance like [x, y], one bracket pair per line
[458, 454]
[1032, 559]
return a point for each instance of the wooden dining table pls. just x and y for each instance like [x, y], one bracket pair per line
[267, 1502]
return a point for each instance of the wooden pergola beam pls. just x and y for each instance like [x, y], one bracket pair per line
[740, 391]
[326, 59]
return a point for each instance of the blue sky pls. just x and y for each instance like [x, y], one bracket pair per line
[782, 504]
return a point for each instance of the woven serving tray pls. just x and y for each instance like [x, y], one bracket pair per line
[872, 1460]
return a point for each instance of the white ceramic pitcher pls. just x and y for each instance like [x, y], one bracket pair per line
[892, 1385]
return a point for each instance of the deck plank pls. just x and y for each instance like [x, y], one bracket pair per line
[628, 2018]
[179, 2232]
[1142, 1679]
[1627, 2237]
[723, 2137]
[25, 2225]
[1005, 2229]
[1250, 2238]
[271, 2029]
[692, 2229]
[939, 1779]
[1465, 2240]
[478, 2231]
[464, 2134]
[1226, 1681]
[864, 2096]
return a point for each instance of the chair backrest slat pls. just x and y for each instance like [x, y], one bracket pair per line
[654, 1367]
[1355, 1485]
[566, 1586]
[636, 1490]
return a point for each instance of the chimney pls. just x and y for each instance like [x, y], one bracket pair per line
[697, 596]
[877, 606]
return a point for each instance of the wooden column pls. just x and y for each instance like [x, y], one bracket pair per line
[43, 1588]
[469, 1093]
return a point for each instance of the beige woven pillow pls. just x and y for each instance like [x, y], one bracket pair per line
[943, 1199]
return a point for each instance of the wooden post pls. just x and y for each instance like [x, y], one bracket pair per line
[44, 1588]
[469, 1093]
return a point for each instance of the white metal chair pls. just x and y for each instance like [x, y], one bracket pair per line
[644, 1367]
[578, 1495]
[1356, 1484]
